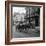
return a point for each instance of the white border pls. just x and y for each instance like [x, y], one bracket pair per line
[29, 38]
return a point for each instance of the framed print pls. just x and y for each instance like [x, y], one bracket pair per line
[24, 22]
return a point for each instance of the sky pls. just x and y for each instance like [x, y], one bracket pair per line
[19, 9]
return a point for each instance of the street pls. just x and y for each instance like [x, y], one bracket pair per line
[17, 34]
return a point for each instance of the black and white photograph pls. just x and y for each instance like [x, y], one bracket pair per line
[25, 22]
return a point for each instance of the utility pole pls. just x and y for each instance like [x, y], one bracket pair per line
[29, 16]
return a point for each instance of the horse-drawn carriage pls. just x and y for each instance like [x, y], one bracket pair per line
[24, 27]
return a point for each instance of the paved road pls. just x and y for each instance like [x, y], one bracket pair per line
[17, 34]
